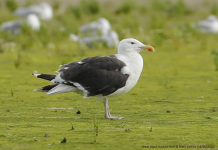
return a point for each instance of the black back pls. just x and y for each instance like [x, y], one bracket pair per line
[98, 75]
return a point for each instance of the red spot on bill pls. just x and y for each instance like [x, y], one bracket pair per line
[150, 50]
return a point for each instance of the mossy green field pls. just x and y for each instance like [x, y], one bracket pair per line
[174, 104]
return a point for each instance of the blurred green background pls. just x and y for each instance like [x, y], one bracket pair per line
[173, 104]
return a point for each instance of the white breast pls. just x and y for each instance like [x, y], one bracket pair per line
[134, 66]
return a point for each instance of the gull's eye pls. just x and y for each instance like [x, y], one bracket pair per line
[132, 43]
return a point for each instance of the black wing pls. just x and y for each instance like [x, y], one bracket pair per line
[98, 75]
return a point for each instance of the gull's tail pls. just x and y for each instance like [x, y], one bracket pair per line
[46, 88]
[54, 88]
[48, 77]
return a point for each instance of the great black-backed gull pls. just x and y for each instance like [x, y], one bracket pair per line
[14, 26]
[110, 38]
[210, 25]
[43, 10]
[103, 77]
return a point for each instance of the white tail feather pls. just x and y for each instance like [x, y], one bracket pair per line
[61, 88]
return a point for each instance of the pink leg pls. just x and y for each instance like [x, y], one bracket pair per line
[107, 111]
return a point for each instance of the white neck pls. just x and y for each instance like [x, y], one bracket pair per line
[133, 60]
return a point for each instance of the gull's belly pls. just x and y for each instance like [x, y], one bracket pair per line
[131, 82]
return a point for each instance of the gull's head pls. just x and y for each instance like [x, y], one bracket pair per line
[44, 5]
[46, 11]
[132, 45]
[33, 21]
[102, 20]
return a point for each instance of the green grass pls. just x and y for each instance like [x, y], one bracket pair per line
[173, 104]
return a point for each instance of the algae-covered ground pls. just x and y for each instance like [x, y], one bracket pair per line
[174, 104]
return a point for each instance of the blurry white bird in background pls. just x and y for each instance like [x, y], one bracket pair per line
[110, 38]
[102, 25]
[15, 26]
[210, 25]
[99, 30]
[43, 11]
